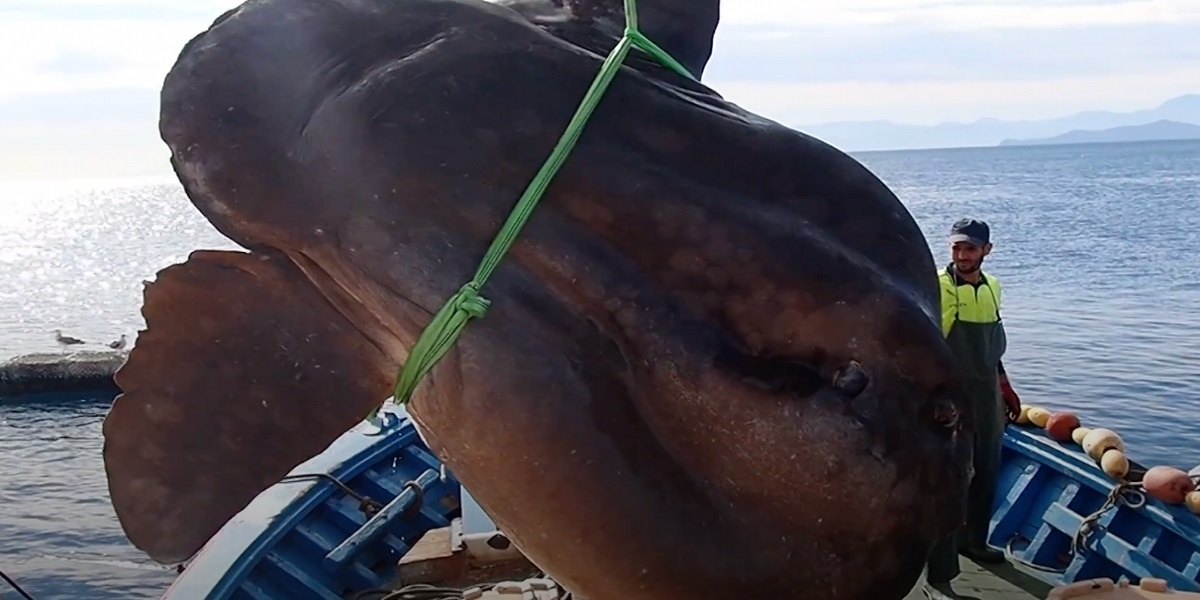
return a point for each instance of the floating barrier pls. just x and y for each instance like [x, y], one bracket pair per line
[77, 374]
[1073, 506]
[1107, 448]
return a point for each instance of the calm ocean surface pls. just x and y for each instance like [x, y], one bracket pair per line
[1097, 247]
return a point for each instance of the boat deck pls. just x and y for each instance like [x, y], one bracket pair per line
[995, 582]
[439, 560]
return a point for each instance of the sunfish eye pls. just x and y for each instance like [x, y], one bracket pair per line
[851, 380]
[945, 414]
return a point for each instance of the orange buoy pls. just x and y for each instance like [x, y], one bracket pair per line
[1060, 425]
[1168, 484]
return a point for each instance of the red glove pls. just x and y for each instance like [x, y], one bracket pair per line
[1012, 402]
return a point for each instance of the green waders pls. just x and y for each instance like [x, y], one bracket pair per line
[977, 348]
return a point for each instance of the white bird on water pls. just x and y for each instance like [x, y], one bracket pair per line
[119, 344]
[64, 340]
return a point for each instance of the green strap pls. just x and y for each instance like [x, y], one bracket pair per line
[441, 333]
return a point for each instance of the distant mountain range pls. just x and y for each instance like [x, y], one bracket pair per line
[1168, 119]
[1158, 130]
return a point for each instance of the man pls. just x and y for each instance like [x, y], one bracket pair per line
[973, 330]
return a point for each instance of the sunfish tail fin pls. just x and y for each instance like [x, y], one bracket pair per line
[244, 371]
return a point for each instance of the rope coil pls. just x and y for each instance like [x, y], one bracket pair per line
[1125, 492]
[450, 321]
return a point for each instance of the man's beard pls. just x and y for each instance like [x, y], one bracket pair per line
[970, 268]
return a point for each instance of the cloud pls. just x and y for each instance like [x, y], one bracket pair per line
[959, 15]
[798, 62]
[98, 133]
[930, 102]
[898, 53]
[124, 52]
[110, 9]
[65, 108]
[56, 45]
[928, 61]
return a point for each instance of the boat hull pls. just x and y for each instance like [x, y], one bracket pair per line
[337, 525]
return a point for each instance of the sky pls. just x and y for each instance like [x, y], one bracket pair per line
[79, 78]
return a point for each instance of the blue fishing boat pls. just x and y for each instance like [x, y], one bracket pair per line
[1059, 514]
[339, 524]
[336, 526]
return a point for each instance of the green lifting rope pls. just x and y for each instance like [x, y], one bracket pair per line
[441, 333]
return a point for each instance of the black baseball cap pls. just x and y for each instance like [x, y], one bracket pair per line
[972, 231]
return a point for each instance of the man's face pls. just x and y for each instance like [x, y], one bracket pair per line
[968, 257]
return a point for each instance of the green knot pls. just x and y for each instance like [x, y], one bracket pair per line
[643, 43]
[469, 301]
[438, 337]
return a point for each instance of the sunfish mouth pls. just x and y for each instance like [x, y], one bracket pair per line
[711, 367]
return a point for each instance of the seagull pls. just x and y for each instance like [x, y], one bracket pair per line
[64, 340]
[117, 345]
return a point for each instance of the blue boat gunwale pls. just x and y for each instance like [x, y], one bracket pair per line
[1054, 454]
[279, 508]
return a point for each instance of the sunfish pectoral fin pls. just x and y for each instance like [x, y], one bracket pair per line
[243, 371]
